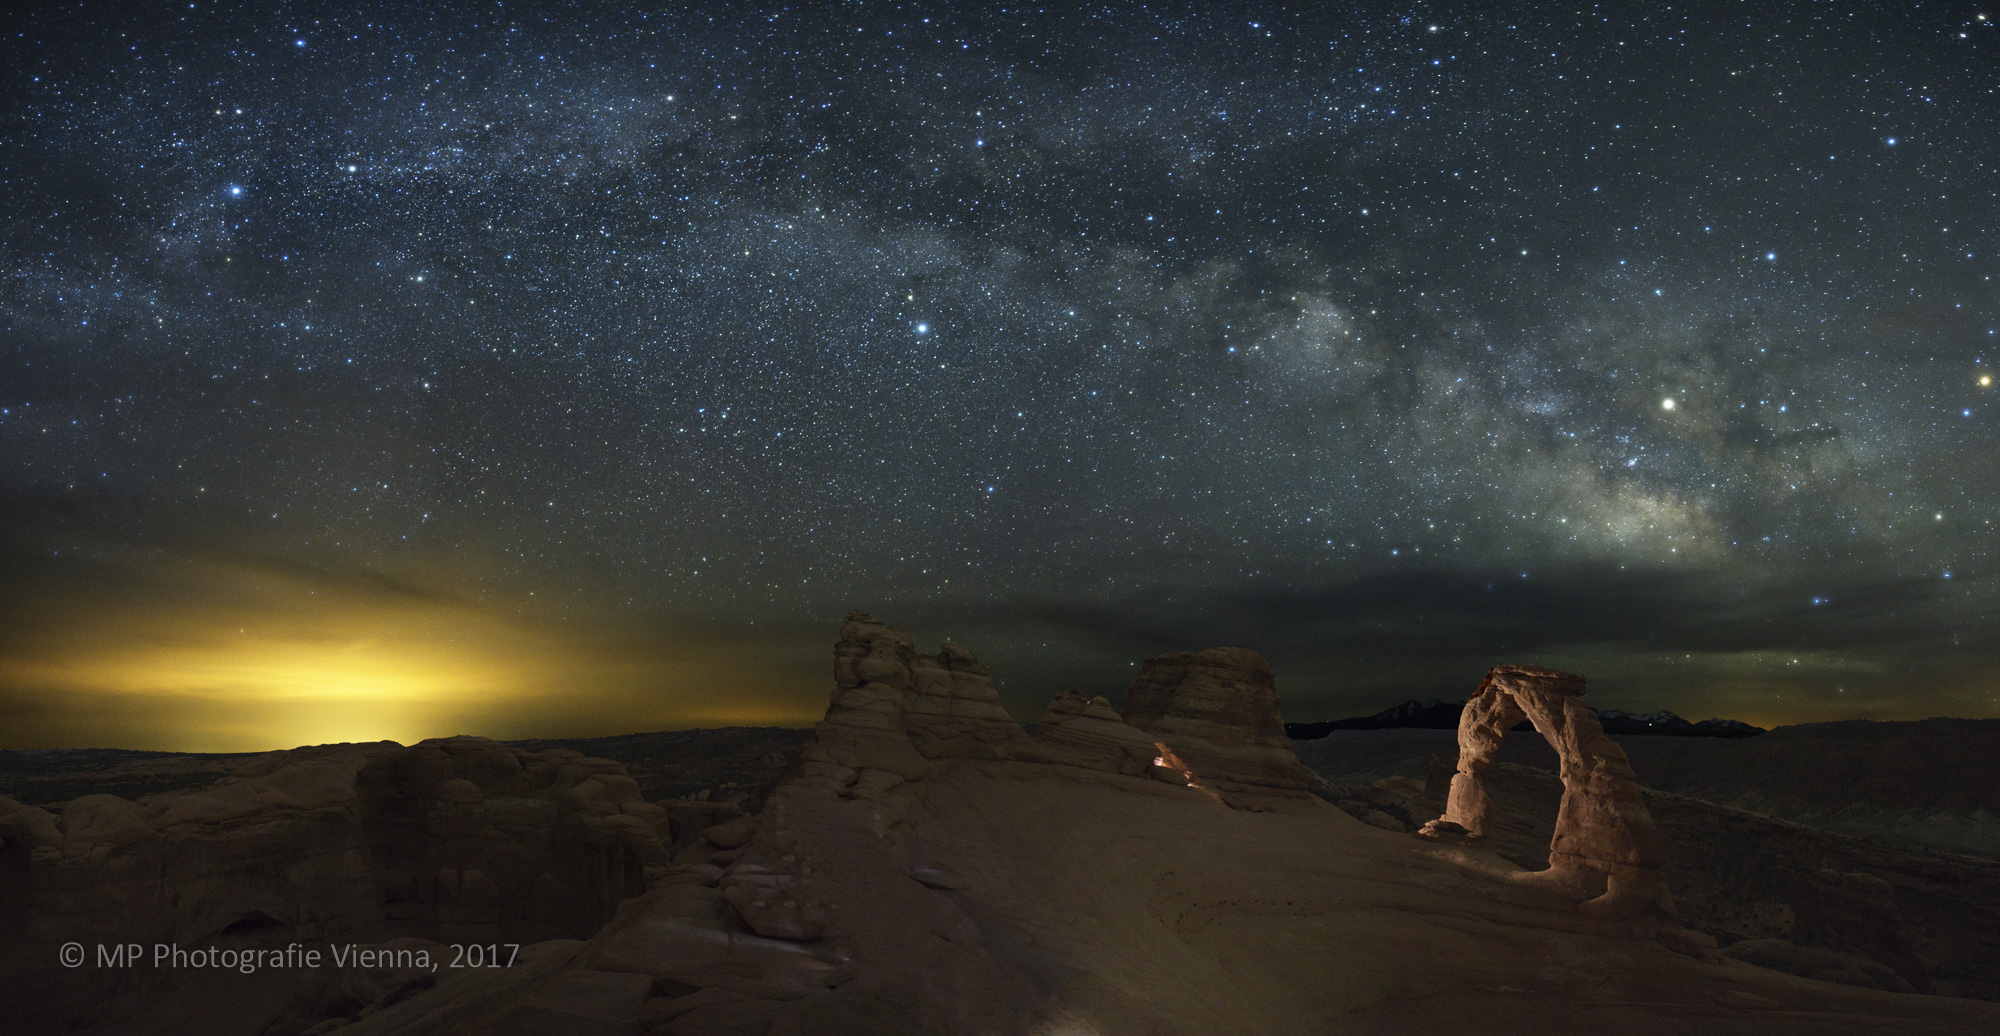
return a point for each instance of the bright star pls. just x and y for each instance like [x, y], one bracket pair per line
[1666, 404]
[923, 328]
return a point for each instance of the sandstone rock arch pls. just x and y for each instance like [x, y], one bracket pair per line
[1606, 849]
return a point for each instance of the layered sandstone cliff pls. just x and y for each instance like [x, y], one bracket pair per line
[1218, 709]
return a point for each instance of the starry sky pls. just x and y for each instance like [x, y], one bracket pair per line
[530, 369]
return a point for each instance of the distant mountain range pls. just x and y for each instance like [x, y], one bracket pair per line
[1443, 715]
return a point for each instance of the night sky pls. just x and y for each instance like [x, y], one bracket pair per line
[534, 369]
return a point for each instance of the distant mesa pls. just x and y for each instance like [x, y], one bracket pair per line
[1664, 722]
[1434, 714]
[1431, 714]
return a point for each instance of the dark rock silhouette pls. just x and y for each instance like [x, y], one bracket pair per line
[1434, 714]
[1431, 714]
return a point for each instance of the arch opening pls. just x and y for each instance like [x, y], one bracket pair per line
[1606, 849]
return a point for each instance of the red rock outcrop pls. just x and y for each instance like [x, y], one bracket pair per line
[894, 711]
[1089, 732]
[990, 884]
[898, 715]
[1606, 849]
[1218, 710]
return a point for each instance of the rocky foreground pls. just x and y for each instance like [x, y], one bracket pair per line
[924, 867]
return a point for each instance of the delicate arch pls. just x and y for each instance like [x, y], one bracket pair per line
[1606, 848]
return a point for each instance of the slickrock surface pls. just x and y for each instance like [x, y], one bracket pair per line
[993, 885]
[1933, 783]
[1101, 903]
[1931, 920]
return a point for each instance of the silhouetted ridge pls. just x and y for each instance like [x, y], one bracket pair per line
[1443, 715]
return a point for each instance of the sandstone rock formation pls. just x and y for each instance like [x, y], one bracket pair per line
[1094, 735]
[983, 883]
[1218, 709]
[1932, 919]
[928, 869]
[1208, 719]
[454, 840]
[894, 711]
[1931, 783]
[1606, 849]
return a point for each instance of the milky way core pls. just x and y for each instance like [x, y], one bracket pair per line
[373, 370]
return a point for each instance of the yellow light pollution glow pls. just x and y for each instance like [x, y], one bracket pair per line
[246, 660]
[291, 679]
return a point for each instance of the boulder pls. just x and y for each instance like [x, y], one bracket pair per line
[731, 834]
[105, 820]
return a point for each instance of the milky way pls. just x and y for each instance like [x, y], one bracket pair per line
[1391, 340]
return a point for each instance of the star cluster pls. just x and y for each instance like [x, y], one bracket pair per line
[1389, 339]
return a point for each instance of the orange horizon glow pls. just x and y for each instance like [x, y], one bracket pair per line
[290, 662]
[206, 654]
